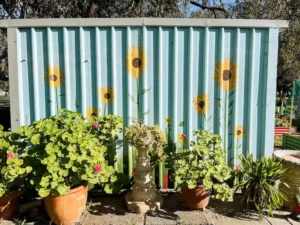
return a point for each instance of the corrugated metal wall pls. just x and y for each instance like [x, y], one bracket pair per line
[182, 78]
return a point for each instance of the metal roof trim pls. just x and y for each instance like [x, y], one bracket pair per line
[124, 22]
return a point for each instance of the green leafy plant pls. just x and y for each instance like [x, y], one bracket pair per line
[65, 151]
[141, 135]
[107, 128]
[258, 181]
[12, 165]
[204, 165]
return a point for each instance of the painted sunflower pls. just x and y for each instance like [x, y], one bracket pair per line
[181, 138]
[136, 61]
[107, 94]
[226, 74]
[239, 132]
[168, 121]
[201, 103]
[92, 111]
[54, 77]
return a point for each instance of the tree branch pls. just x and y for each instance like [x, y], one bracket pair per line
[211, 8]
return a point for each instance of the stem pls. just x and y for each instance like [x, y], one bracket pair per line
[237, 153]
[138, 99]
[225, 118]
[56, 100]
[104, 109]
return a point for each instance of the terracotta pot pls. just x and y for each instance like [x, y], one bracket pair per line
[196, 198]
[68, 208]
[9, 205]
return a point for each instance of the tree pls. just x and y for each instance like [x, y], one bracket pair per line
[289, 41]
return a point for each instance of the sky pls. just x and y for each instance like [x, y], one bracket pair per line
[193, 8]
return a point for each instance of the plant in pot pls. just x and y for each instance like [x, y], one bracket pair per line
[201, 172]
[258, 180]
[146, 139]
[65, 154]
[12, 172]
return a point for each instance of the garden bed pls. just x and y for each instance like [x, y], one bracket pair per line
[291, 141]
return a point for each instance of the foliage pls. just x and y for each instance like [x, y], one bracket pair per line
[65, 151]
[141, 136]
[282, 122]
[107, 128]
[258, 181]
[204, 165]
[289, 51]
[12, 165]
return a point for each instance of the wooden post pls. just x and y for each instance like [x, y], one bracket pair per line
[292, 107]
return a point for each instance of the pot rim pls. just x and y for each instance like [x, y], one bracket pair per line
[71, 191]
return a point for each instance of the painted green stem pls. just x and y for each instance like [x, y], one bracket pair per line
[104, 109]
[138, 99]
[56, 93]
[225, 119]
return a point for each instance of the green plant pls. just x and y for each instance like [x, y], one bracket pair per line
[152, 137]
[107, 128]
[65, 151]
[12, 165]
[258, 181]
[204, 165]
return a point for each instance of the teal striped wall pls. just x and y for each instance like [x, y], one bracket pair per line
[181, 64]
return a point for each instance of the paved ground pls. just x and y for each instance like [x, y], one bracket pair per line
[112, 210]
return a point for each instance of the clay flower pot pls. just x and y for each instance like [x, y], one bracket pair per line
[68, 208]
[9, 205]
[196, 198]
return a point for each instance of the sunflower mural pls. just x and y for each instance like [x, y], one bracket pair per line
[54, 79]
[201, 104]
[107, 96]
[136, 61]
[92, 111]
[239, 133]
[226, 74]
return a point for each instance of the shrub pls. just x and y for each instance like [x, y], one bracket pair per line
[204, 165]
[65, 151]
[12, 165]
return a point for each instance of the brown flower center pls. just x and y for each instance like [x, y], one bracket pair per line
[107, 96]
[136, 62]
[202, 104]
[227, 74]
[53, 77]
[238, 132]
[93, 114]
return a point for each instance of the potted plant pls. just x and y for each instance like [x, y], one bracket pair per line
[12, 169]
[65, 154]
[201, 172]
[259, 182]
[146, 139]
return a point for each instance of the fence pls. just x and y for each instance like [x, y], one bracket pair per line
[182, 74]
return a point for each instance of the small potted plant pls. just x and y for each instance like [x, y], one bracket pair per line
[258, 180]
[12, 170]
[146, 139]
[201, 172]
[65, 154]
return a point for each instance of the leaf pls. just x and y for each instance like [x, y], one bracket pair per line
[49, 101]
[146, 90]
[239, 146]
[131, 97]
[231, 103]
[229, 123]
[209, 118]
[219, 99]
[62, 189]
[146, 113]
[62, 94]
[231, 93]
[230, 113]
[181, 124]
